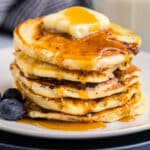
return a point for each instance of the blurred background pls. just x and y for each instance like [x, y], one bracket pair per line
[133, 14]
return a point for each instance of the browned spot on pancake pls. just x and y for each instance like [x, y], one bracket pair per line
[129, 70]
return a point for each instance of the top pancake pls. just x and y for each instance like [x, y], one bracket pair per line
[101, 49]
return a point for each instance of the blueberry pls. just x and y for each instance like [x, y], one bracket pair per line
[11, 109]
[12, 93]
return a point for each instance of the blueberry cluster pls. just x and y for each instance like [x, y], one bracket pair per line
[11, 107]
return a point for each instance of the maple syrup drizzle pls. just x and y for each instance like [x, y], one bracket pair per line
[83, 94]
[90, 48]
[60, 91]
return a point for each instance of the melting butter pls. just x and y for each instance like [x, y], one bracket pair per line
[76, 21]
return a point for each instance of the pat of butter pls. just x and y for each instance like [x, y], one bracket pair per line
[76, 21]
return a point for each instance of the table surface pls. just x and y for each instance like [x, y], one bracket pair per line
[7, 140]
[133, 141]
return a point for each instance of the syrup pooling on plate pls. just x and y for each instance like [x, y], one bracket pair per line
[65, 126]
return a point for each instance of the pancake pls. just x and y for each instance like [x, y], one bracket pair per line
[53, 89]
[34, 68]
[77, 106]
[136, 106]
[102, 49]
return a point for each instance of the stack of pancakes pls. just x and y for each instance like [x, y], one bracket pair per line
[87, 79]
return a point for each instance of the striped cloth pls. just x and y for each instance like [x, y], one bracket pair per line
[13, 12]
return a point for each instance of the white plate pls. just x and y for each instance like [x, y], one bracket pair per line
[113, 129]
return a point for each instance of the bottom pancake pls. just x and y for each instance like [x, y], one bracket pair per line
[136, 106]
[77, 106]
